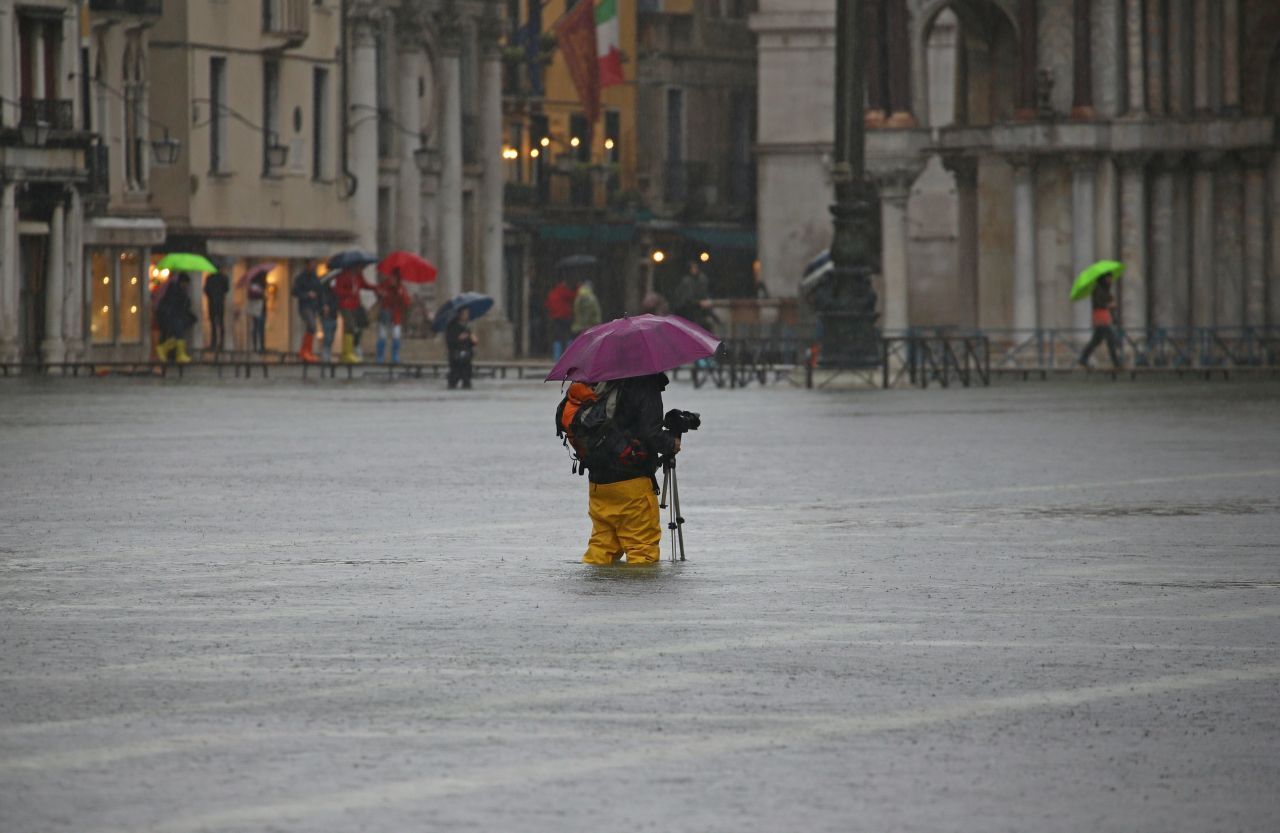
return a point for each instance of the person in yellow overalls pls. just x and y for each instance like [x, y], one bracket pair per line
[623, 502]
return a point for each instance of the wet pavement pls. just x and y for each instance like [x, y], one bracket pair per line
[339, 607]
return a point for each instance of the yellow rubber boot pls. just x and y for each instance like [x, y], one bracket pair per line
[163, 348]
[349, 351]
[182, 357]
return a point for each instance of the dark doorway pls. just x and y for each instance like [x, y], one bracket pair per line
[33, 264]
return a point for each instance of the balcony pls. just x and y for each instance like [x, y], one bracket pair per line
[289, 20]
[131, 8]
[55, 113]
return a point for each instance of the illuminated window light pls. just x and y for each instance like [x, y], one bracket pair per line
[133, 281]
[574, 142]
[704, 257]
[533, 154]
[105, 309]
[134, 309]
[544, 141]
[659, 256]
[106, 279]
[608, 144]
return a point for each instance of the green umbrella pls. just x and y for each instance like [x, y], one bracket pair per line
[180, 262]
[1084, 284]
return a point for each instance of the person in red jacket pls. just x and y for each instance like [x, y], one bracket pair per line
[393, 302]
[347, 287]
[559, 305]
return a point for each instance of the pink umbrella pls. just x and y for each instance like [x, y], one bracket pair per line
[254, 272]
[410, 267]
[639, 346]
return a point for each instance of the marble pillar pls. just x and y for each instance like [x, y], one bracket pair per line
[1176, 58]
[1255, 238]
[1135, 69]
[52, 349]
[409, 41]
[73, 306]
[1155, 41]
[10, 108]
[9, 346]
[894, 190]
[1132, 289]
[1082, 62]
[449, 201]
[1025, 316]
[1204, 54]
[1108, 57]
[1181, 242]
[1084, 244]
[1273, 279]
[1231, 55]
[1228, 245]
[1203, 232]
[965, 171]
[1028, 34]
[492, 167]
[363, 119]
[1161, 290]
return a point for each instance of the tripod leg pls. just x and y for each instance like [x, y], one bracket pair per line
[675, 505]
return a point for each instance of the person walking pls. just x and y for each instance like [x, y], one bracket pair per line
[257, 307]
[559, 307]
[328, 320]
[461, 345]
[175, 317]
[692, 297]
[306, 288]
[347, 287]
[216, 287]
[623, 499]
[1104, 303]
[393, 303]
[586, 309]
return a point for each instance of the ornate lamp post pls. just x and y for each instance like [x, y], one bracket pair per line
[846, 304]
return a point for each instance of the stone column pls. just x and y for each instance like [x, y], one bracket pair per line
[1155, 31]
[493, 174]
[1231, 55]
[363, 120]
[73, 291]
[965, 171]
[899, 46]
[69, 77]
[1203, 55]
[10, 111]
[1255, 237]
[1229, 288]
[1133, 242]
[1161, 291]
[1135, 71]
[1084, 243]
[1028, 30]
[1203, 227]
[450, 198]
[9, 346]
[894, 189]
[409, 40]
[1176, 57]
[1082, 62]
[1273, 280]
[872, 12]
[1025, 315]
[53, 349]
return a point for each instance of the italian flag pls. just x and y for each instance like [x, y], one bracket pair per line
[608, 45]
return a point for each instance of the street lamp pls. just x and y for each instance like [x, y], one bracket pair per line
[427, 159]
[166, 150]
[35, 132]
[277, 154]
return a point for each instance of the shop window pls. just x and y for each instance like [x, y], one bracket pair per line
[130, 296]
[102, 277]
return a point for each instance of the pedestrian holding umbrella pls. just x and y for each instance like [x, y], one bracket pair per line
[1095, 283]
[184, 262]
[619, 433]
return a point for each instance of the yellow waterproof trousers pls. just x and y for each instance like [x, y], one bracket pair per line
[624, 520]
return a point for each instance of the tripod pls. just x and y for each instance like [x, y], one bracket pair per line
[675, 521]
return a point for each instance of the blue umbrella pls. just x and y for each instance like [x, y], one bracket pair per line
[475, 302]
[352, 259]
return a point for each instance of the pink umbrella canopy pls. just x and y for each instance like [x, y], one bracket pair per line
[639, 346]
[253, 272]
[410, 267]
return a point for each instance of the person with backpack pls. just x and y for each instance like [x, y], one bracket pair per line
[616, 432]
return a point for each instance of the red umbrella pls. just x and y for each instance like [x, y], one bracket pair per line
[253, 272]
[412, 269]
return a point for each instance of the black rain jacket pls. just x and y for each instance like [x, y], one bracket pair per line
[639, 413]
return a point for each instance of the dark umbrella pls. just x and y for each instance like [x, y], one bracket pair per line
[638, 346]
[352, 259]
[575, 261]
[477, 303]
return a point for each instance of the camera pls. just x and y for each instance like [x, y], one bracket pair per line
[678, 422]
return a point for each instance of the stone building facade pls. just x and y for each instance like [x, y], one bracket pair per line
[1051, 133]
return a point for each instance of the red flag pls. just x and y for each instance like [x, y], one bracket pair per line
[576, 39]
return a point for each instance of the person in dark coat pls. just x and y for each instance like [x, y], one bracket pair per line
[306, 288]
[1104, 304]
[174, 316]
[258, 313]
[461, 345]
[623, 502]
[216, 287]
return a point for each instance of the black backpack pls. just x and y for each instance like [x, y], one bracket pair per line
[586, 423]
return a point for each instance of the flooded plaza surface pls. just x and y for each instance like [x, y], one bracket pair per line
[274, 606]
